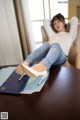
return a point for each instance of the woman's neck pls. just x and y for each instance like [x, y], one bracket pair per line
[63, 30]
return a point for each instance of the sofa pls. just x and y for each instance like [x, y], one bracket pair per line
[74, 53]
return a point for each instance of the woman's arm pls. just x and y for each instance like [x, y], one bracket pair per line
[73, 27]
[47, 27]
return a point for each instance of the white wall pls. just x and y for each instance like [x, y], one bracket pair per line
[10, 48]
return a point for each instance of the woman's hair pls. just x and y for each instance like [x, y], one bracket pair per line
[62, 19]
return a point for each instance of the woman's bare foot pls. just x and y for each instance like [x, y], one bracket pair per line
[26, 63]
[39, 67]
[19, 70]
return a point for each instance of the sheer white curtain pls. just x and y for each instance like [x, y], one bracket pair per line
[28, 25]
[10, 47]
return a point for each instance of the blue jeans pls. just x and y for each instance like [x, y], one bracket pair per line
[48, 55]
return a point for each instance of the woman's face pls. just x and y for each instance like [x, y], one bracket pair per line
[59, 26]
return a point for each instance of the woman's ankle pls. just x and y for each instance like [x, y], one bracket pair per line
[26, 63]
[39, 67]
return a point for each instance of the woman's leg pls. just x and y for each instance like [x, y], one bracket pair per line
[38, 54]
[55, 56]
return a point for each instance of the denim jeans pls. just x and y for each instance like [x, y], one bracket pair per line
[48, 55]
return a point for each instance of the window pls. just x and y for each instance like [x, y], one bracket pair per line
[59, 6]
[40, 9]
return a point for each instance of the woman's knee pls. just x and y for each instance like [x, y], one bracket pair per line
[46, 44]
[57, 46]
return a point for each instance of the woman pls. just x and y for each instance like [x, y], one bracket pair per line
[55, 51]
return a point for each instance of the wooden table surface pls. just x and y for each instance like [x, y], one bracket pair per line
[59, 99]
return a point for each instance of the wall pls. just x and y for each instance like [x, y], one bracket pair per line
[72, 7]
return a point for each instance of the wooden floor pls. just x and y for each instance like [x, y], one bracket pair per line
[59, 99]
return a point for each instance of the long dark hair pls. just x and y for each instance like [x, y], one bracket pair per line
[62, 19]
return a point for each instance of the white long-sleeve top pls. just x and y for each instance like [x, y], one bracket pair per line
[65, 39]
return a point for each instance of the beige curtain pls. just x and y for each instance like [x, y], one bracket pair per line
[24, 26]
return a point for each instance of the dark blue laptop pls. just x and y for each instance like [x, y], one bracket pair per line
[13, 85]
